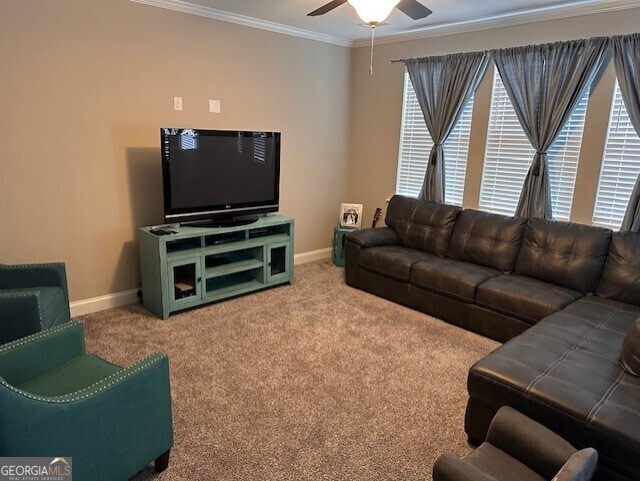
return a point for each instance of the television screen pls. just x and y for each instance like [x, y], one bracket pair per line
[210, 174]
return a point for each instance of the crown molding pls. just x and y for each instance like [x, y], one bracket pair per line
[508, 20]
[214, 13]
[487, 23]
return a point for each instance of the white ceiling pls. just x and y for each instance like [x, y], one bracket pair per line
[341, 25]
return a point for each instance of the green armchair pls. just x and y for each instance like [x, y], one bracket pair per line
[33, 297]
[58, 401]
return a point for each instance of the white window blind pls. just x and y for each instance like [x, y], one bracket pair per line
[620, 166]
[416, 143]
[509, 154]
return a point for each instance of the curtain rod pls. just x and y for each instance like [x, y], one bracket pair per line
[405, 60]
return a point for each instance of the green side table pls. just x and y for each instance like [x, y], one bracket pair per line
[339, 234]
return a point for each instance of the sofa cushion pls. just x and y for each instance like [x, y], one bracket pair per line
[621, 275]
[563, 253]
[523, 297]
[420, 224]
[450, 277]
[630, 352]
[491, 240]
[391, 261]
[564, 372]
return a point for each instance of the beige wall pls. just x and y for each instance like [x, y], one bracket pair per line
[377, 106]
[86, 85]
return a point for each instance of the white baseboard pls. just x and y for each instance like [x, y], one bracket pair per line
[124, 298]
[100, 303]
[312, 256]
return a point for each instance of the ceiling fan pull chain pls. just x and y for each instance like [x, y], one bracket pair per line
[373, 33]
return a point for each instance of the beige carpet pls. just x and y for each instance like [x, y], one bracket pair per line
[312, 381]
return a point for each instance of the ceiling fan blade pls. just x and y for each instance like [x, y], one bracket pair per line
[414, 9]
[326, 8]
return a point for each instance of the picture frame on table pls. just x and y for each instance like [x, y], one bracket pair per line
[350, 215]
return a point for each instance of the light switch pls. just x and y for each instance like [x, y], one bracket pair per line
[177, 103]
[214, 106]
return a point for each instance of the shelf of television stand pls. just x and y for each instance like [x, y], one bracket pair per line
[197, 265]
[232, 268]
[174, 253]
[230, 284]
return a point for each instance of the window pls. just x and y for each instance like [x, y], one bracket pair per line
[416, 143]
[509, 154]
[620, 166]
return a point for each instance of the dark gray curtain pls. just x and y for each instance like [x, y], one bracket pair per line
[626, 50]
[544, 83]
[443, 86]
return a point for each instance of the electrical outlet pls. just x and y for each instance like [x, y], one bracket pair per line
[177, 103]
[214, 106]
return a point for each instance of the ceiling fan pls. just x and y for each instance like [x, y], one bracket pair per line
[372, 9]
[375, 12]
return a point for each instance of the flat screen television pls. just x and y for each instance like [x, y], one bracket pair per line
[219, 177]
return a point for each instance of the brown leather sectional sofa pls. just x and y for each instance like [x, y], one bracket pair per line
[562, 295]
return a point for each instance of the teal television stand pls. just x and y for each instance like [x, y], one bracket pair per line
[198, 265]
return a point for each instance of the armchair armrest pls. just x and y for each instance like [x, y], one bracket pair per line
[373, 237]
[128, 414]
[451, 468]
[19, 315]
[31, 356]
[33, 275]
[530, 443]
[582, 465]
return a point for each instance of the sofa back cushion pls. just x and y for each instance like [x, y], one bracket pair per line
[563, 253]
[420, 224]
[621, 275]
[630, 352]
[491, 240]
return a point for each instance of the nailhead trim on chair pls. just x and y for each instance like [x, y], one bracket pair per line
[39, 335]
[91, 391]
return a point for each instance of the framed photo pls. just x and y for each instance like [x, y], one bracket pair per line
[351, 215]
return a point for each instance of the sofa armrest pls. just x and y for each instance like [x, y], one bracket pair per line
[373, 237]
[128, 415]
[31, 356]
[361, 239]
[530, 443]
[451, 468]
[33, 275]
[19, 315]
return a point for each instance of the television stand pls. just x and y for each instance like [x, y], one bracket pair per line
[199, 265]
[230, 222]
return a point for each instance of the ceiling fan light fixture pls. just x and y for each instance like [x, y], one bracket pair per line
[373, 12]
